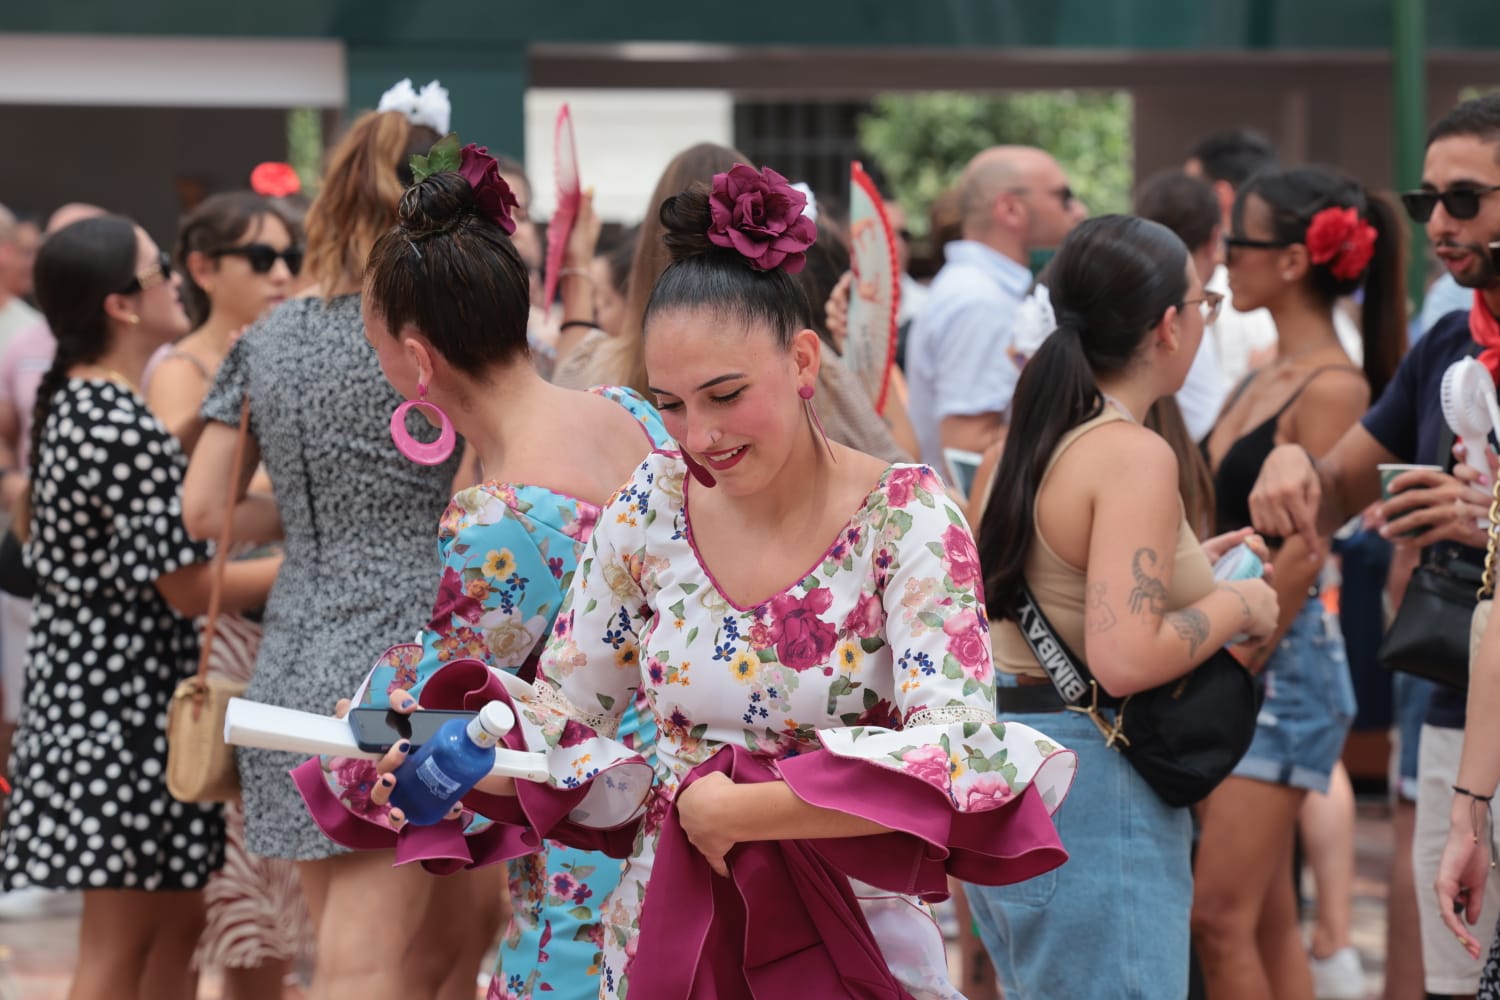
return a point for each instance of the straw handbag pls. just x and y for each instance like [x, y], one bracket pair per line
[200, 765]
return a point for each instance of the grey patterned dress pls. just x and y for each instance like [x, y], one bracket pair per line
[361, 569]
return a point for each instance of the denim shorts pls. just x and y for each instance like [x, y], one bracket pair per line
[1411, 696]
[1112, 921]
[1309, 706]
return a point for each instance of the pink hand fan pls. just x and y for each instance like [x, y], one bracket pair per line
[569, 194]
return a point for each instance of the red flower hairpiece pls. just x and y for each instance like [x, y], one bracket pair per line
[1339, 238]
[493, 198]
[275, 180]
[758, 214]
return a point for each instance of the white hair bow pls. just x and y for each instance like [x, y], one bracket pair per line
[811, 208]
[429, 106]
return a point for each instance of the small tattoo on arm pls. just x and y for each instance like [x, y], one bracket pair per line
[1148, 597]
[1099, 616]
[1192, 625]
[1244, 604]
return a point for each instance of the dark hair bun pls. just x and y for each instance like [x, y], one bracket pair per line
[686, 218]
[436, 204]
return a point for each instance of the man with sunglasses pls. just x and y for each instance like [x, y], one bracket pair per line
[1013, 200]
[1433, 511]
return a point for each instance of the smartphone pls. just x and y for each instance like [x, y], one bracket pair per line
[376, 730]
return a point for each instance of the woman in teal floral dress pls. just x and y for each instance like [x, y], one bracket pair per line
[509, 552]
[509, 545]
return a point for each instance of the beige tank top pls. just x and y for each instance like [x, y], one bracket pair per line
[1059, 587]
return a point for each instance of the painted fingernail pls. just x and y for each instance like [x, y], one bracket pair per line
[386, 781]
[404, 746]
[407, 701]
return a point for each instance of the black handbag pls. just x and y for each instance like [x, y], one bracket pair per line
[16, 578]
[1183, 737]
[1430, 635]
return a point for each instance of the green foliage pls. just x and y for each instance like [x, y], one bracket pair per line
[442, 158]
[304, 146]
[922, 141]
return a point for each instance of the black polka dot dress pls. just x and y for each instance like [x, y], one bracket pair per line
[89, 807]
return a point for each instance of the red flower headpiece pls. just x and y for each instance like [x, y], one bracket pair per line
[758, 214]
[275, 180]
[493, 198]
[1339, 238]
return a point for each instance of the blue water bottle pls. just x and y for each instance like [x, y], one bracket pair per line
[445, 767]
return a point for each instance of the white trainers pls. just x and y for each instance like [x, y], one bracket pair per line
[1340, 976]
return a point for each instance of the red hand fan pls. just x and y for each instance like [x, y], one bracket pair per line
[569, 194]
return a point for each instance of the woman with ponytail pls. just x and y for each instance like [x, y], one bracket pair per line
[1086, 513]
[1302, 239]
[119, 583]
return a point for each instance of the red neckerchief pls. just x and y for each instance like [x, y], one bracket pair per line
[1485, 329]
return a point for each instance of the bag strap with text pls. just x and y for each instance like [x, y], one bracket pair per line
[1071, 677]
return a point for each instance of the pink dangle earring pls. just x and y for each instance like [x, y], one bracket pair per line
[423, 453]
[806, 392]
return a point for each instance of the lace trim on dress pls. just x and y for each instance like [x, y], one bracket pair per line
[548, 697]
[949, 716]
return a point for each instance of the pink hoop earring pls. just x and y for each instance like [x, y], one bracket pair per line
[806, 392]
[433, 453]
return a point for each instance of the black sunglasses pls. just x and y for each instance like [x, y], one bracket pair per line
[1459, 202]
[150, 278]
[262, 258]
[1063, 194]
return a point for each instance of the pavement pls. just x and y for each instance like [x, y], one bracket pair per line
[37, 954]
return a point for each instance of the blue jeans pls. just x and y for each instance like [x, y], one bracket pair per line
[1308, 709]
[1113, 921]
[1412, 695]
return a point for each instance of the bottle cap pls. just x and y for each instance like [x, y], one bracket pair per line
[497, 719]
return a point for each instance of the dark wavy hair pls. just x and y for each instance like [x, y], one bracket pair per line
[1112, 281]
[705, 276]
[1298, 194]
[452, 273]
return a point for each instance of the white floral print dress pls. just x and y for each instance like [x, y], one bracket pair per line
[879, 652]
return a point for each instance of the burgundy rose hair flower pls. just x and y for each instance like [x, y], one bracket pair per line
[758, 214]
[492, 196]
[1339, 238]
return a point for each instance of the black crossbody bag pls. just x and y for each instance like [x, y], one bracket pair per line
[1429, 637]
[1183, 738]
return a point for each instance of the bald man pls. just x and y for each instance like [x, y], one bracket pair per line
[1013, 200]
[73, 211]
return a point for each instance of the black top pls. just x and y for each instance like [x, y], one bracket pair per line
[1238, 469]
